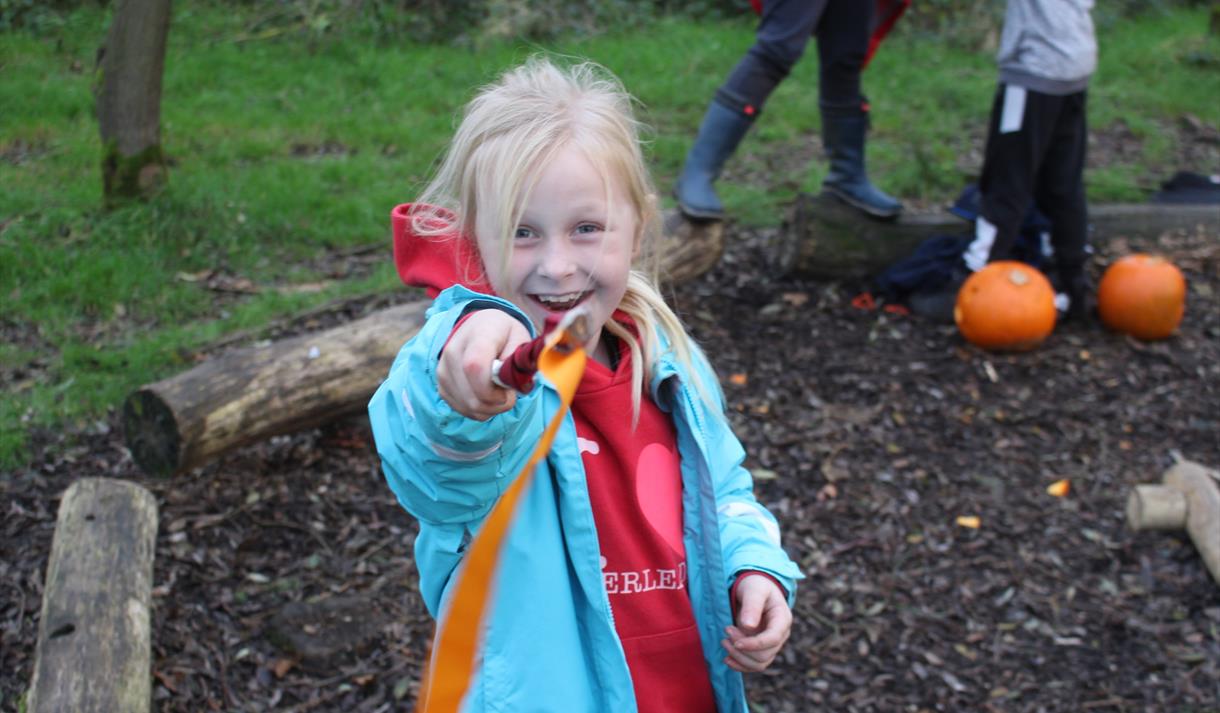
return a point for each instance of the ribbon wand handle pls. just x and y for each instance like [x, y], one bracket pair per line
[517, 371]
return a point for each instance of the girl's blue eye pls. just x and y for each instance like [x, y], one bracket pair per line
[587, 228]
[523, 233]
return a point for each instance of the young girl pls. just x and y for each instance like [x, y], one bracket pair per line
[639, 573]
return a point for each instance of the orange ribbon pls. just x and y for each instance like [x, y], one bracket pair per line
[447, 676]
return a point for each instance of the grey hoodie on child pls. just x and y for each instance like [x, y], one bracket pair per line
[1048, 46]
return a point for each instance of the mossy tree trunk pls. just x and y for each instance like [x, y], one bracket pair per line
[129, 100]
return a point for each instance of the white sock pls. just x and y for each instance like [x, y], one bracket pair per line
[977, 251]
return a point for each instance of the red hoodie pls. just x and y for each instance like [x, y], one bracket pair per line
[434, 262]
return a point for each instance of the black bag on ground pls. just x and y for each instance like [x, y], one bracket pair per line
[1188, 187]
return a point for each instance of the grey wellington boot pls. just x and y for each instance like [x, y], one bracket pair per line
[843, 133]
[722, 129]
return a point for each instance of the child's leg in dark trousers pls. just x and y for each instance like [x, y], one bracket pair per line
[783, 33]
[1059, 193]
[843, 38]
[1022, 131]
[842, 32]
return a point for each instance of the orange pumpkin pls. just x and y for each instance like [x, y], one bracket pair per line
[1142, 295]
[1006, 306]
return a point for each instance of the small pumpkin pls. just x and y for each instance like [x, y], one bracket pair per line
[1142, 295]
[1006, 306]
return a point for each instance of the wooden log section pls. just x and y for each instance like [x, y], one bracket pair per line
[250, 394]
[687, 248]
[1156, 507]
[94, 648]
[824, 238]
[1189, 498]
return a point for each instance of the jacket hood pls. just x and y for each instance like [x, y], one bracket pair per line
[434, 262]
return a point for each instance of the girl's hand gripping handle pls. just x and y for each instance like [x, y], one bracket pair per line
[517, 372]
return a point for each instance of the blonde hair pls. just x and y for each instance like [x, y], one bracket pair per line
[514, 127]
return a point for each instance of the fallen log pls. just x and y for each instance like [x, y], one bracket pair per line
[94, 649]
[824, 238]
[1188, 498]
[256, 392]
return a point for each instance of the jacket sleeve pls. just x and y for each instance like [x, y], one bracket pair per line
[749, 533]
[445, 469]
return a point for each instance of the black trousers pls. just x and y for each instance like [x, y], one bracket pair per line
[842, 28]
[1035, 155]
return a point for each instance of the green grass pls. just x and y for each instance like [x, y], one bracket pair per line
[284, 149]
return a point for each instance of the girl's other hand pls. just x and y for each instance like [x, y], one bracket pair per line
[463, 375]
[764, 622]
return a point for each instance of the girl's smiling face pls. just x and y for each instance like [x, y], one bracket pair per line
[573, 246]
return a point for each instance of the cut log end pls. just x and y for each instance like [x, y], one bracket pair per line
[152, 433]
[1156, 507]
[688, 247]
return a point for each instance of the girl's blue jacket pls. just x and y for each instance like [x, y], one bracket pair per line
[549, 640]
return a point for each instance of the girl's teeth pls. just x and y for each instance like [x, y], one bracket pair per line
[561, 301]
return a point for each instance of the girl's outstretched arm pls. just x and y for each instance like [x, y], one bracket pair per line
[446, 468]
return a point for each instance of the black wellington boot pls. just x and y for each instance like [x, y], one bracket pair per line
[843, 133]
[722, 129]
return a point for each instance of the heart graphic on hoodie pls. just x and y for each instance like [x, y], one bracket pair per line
[658, 488]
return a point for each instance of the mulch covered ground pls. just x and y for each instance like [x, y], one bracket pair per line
[870, 433]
